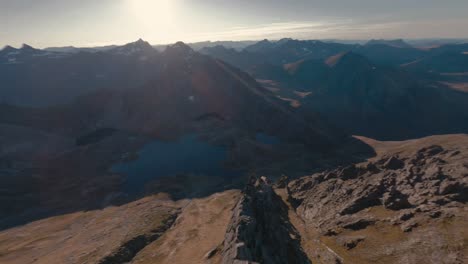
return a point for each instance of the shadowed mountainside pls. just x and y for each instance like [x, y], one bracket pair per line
[382, 102]
[187, 93]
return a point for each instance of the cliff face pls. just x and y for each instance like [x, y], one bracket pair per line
[260, 231]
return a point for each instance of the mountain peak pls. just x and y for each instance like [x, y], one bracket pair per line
[179, 48]
[138, 46]
[181, 45]
[27, 47]
[284, 40]
[8, 48]
[139, 43]
[142, 43]
[259, 46]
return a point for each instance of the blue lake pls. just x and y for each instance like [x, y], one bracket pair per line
[188, 155]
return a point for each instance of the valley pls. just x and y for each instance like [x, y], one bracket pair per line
[287, 151]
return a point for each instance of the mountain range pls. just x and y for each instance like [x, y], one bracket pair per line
[288, 151]
[367, 90]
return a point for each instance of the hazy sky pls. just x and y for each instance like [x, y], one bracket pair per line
[44, 23]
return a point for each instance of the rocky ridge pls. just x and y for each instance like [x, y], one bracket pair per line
[260, 231]
[399, 198]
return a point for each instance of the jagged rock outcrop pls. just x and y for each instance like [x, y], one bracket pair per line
[424, 181]
[396, 208]
[260, 231]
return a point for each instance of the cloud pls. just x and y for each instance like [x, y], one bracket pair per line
[336, 28]
[299, 29]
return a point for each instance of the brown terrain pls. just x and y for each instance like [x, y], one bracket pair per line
[197, 234]
[405, 205]
[117, 234]
[89, 237]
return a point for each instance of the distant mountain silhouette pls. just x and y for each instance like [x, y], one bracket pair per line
[140, 46]
[290, 50]
[55, 78]
[441, 62]
[397, 43]
[367, 99]
[384, 54]
[277, 53]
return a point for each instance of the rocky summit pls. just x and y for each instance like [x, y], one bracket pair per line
[259, 231]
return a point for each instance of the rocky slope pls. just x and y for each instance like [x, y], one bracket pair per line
[113, 235]
[407, 205]
[197, 235]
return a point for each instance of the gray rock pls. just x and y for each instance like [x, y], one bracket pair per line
[344, 201]
[395, 200]
[260, 231]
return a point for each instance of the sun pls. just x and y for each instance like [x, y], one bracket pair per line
[154, 20]
[152, 12]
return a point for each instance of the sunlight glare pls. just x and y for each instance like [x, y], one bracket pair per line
[152, 12]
